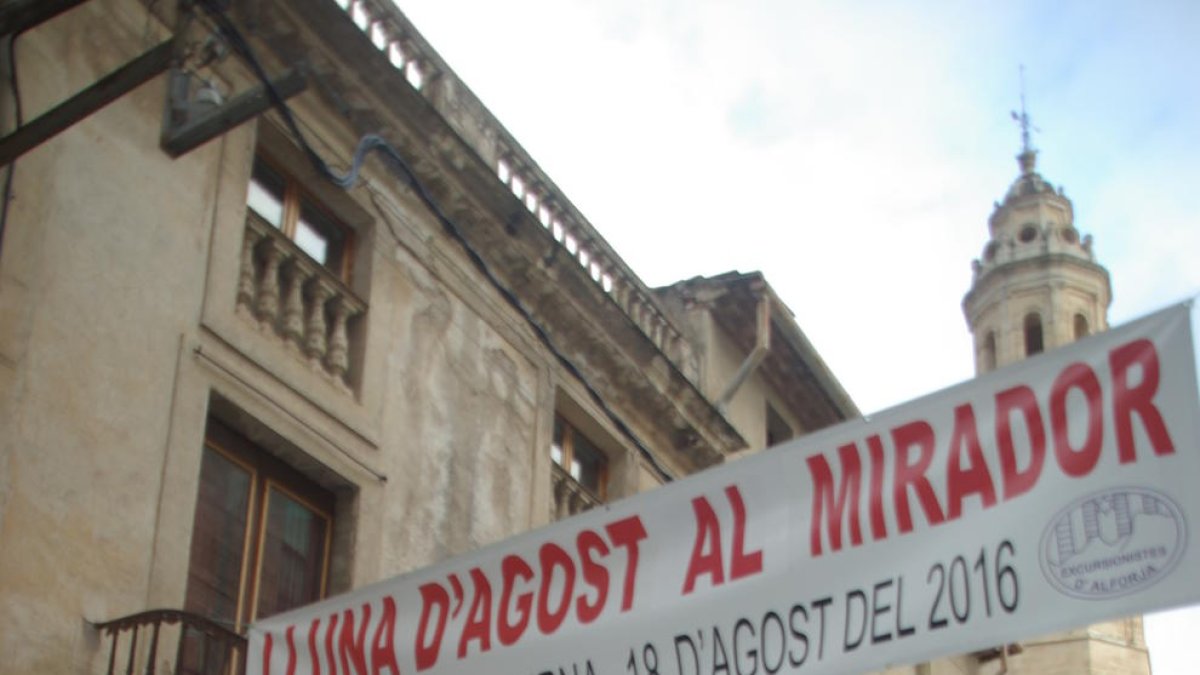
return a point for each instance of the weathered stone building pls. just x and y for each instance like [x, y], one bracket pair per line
[229, 386]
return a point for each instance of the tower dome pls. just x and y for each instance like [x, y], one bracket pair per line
[1037, 284]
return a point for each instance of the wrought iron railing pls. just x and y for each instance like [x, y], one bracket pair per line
[204, 647]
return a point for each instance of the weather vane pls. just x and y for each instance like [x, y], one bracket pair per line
[1022, 118]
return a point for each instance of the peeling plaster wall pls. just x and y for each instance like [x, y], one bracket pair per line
[461, 410]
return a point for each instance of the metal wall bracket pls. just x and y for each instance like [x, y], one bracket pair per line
[184, 127]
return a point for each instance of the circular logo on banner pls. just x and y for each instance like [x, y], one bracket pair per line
[1113, 542]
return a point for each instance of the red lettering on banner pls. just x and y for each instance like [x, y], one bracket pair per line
[1019, 399]
[976, 479]
[627, 533]
[741, 563]
[479, 617]
[706, 550]
[313, 655]
[1075, 397]
[433, 597]
[353, 650]
[917, 435]
[330, 634]
[878, 524]
[1139, 399]
[550, 556]
[1079, 461]
[268, 645]
[350, 644]
[383, 647]
[595, 574]
[520, 583]
[833, 504]
[511, 569]
[291, 650]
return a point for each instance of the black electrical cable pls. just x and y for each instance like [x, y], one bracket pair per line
[19, 120]
[371, 142]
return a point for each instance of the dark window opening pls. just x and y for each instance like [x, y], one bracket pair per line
[581, 458]
[1033, 334]
[1081, 326]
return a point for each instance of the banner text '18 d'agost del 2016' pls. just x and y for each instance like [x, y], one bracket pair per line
[1049, 494]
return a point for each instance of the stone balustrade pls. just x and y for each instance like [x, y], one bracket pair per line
[569, 497]
[390, 31]
[600, 263]
[298, 300]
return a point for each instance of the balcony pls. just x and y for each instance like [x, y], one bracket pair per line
[569, 497]
[197, 647]
[298, 301]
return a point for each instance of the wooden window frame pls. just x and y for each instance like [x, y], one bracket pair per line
[266, 472]
[263, 514]
[295, 198]
[567, 447]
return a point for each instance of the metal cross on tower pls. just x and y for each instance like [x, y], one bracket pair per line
[1022, 118]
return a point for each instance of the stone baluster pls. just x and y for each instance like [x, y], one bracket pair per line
[315, 329]
[295, 276]
[247, 278]
[337, 357]
[620, 293]
[632, 308]
[267, 307]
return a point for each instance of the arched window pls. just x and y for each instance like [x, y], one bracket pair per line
[988, 358]
[1033, 334]
[1081, 326]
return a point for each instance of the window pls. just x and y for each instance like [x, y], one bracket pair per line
[260, 539]
[579, 458]
[1081, 326]
[280, 202]
[1033, 334]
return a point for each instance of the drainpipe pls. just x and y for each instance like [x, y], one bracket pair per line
[762, 345]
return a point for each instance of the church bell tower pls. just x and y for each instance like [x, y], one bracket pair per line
[1038, 286]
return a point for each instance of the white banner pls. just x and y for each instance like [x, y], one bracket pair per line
[1049, 494]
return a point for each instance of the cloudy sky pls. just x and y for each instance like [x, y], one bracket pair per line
[851, 151]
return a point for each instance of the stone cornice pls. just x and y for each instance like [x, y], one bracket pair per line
[453, 144]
